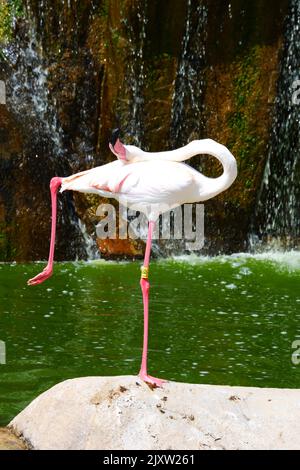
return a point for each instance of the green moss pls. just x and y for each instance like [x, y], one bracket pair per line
[5, 22]
[7, 251]
[115, 37]
[2, 245]
[246, 97]
[104, 10]
[9, 11]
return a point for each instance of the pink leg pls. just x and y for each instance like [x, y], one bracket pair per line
[145, 290]
[47, 272]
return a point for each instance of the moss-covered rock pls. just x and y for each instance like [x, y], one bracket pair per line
[240, 98]
[10, 12]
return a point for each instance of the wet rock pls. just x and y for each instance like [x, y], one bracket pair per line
[113, 249]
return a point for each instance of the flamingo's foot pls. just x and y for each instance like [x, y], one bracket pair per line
[152, 380]
[41, 277]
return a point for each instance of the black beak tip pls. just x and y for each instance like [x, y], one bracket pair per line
[114, 136]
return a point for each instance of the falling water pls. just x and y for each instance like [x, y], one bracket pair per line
[135, 76]
[187, 108]
[28, 95]
[90, 245]
[29, 100]
[278, 210]
[187, 113]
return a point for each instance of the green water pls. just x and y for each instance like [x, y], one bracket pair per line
[224, 320]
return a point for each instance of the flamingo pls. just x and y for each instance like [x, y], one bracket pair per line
[150, 182]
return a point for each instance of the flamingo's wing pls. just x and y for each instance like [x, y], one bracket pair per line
[153, 182]
[108, 178]
[158, 182]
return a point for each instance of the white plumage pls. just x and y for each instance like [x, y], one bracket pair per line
[156, 182]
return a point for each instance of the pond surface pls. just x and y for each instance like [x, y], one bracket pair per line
[224, 320]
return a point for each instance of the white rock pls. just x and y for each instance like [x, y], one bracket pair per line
[124, 413]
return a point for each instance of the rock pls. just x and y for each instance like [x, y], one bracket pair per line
[125, 413]
[9, 441]
[118, 248]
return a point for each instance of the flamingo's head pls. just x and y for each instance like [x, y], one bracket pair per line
[116, 146]
[126, 153]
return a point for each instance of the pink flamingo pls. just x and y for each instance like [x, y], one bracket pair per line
[151, 183]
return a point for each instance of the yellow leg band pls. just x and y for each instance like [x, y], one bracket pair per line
[144, 272]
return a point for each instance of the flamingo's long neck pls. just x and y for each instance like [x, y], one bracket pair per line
[217, 185]
[198, 147]
[225, 157]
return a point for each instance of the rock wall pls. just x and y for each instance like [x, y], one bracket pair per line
[166, 72]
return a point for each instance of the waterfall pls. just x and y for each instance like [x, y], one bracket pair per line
[73, 73]
[27, 93]
[187, 106]
[187, 112]
[45, 153]
[135, 28]
[90, 245]
[277, 216]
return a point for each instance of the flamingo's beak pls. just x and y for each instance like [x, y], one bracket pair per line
[116, 145]
[114, 136]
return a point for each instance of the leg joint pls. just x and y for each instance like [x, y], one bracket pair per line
[55, 183]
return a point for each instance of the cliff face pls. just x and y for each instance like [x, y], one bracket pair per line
[166, 72]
